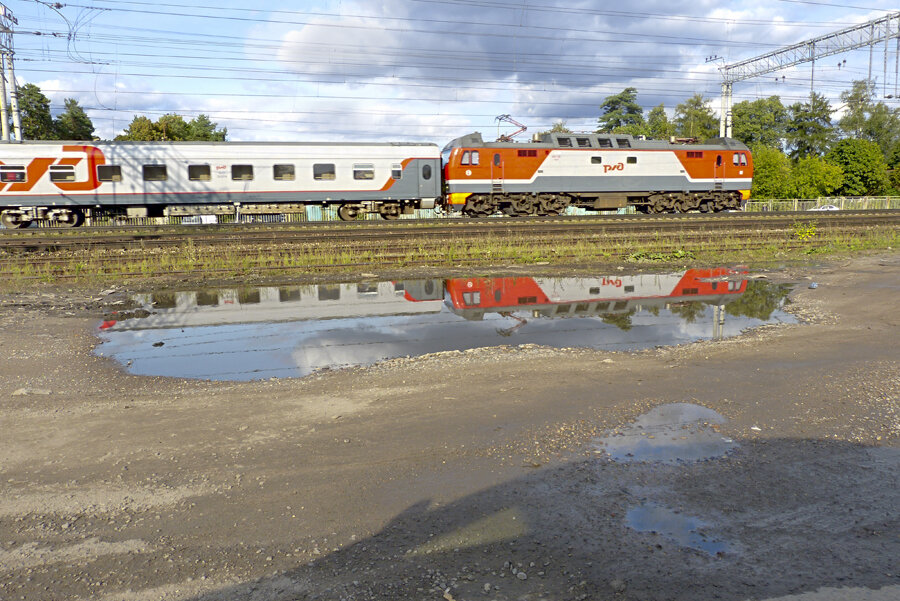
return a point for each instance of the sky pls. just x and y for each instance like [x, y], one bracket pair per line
[420, 70]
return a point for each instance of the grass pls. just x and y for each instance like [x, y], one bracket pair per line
[192, 261]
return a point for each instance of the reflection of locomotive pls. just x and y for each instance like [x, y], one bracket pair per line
[580, 297]
[58, 182]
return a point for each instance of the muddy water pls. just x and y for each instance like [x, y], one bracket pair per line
[257, 333]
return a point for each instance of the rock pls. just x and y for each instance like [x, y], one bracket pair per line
[26, 391]
[618, 585]
[522, 575]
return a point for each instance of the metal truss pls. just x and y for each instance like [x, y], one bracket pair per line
[865, 34]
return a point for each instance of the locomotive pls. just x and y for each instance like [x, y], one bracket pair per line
[59, 182]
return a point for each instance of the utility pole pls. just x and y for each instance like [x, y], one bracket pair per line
[865, 34]
[8, 77]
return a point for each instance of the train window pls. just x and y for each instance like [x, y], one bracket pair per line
[323, 171]
[109, 173]
[62, 173]
[465, 158]
[497, 158]
[472, 298]
[631, 160]
[718, 160]
[629, 289]
[329, 292]
[736, 158]
[396, 171]
[364, 171]
[155, 173]
[604, 143]
[596, 160]
[12, 173]
[623, 142]
[565, 142]
[527, 153]
[283, 172]
[694, 154]
[242, 172]
[476, 158]
[199, 173]
[367, 289]
[583, 142]
[286, 295]
[743, 159]
[426, 172]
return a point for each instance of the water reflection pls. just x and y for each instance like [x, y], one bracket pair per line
[251, 333]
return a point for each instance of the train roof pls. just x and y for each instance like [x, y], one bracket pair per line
[604, 141]
[218, 144]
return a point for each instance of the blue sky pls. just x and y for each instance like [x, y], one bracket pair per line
[416, 70]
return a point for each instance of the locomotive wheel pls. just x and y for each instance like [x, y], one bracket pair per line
[348, 212]
[12, 221]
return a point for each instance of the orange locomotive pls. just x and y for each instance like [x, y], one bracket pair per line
[596, 172]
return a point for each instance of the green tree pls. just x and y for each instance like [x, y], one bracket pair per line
[812, 177]
[760, 121]
[865, 171]
[34, 111]
[689, 311]
[559, 127]
[809, 130]
[73, 123]
[771, 173]
[694, 119]
[658, 125]
[620, 110]
[866, 119]
[173, 128]
[759, 300]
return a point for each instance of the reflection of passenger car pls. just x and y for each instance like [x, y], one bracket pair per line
[825, 208]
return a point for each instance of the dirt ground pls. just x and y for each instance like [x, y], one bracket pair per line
[458, 476]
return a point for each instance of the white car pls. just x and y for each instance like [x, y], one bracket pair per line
[825, 208]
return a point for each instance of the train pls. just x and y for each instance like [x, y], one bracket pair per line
[60, 182]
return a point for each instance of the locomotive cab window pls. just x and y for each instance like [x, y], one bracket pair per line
[12, 173]
[199, 173]
[62, 173]
[736, 159]
[363, 171]
[283, 172]
[323, 171]
[476, 157]
[242, 172]
[465, 158]
[396, 171]
[743, 159]
[155, 173]
[109, 173]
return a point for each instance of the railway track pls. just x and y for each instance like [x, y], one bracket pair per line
[339, 233]
[236, 250]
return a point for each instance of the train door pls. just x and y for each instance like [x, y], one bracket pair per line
[719, 174]
[429, 178]
[497, 174]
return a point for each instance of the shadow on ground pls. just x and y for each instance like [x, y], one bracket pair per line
[774, 518]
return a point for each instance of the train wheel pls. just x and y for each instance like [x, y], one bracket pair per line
[73, 218]
[389, 211]
[348, 212]
[12, 221]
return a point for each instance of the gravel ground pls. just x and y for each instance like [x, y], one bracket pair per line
[485, 474]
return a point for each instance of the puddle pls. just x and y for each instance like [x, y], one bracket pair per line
[256, 333]
[685, 530]
[670, 434]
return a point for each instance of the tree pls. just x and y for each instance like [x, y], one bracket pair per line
[658, 125]
[694, 119]
[34, 111]
[559, 127]
[865, 119]
[809, 131]
[620, 110]
[812, 177]
[771, 173]
[759, 300]
[173, 128]
[865, 172]
[73, 123]
[760, 121]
